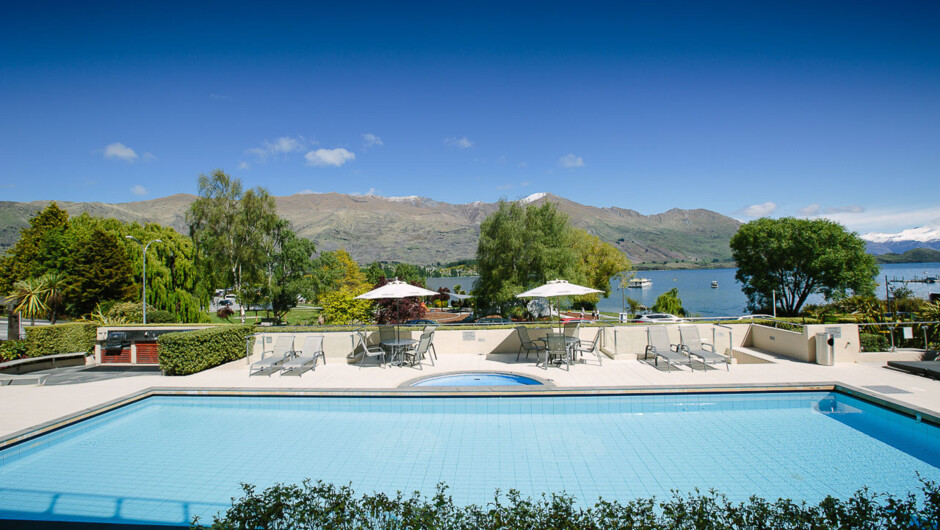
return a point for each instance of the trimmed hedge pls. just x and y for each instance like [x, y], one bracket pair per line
[873, 342]
[61, 338]
[188, 352]
[322, 505]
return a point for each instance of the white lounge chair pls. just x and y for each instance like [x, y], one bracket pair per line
[282, 351]
[661, 348]
[308, 355]
[693, 346]
[593, 346]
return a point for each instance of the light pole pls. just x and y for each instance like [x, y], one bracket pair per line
[145, 268]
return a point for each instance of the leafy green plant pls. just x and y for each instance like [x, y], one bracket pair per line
[871, 342]
[61, 338]
[12, 349]
[669, 302]
[323, 505]
[189, 352]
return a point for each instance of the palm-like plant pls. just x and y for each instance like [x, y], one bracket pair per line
[31, 293]
[55, 289]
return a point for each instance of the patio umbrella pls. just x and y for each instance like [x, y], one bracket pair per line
[396, 289]
[556, 288]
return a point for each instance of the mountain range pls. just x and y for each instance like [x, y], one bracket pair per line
[424, 231]
[910, 239]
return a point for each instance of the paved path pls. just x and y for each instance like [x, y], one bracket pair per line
[27, 406]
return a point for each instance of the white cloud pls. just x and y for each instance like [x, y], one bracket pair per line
[371, 140]
[522, 164]
[759, 210]
[360, 194]
[853, 208]
[570, 160]
[309, 192]
[280, 146]
[810, 211]
[139, 190]
[329, 157]
[460, 143]
[120, 151]
[244, 165]
[887, 219]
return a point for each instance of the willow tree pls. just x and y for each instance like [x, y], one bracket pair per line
[789, 259]
[229, 227]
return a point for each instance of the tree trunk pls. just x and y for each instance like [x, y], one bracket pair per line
[13, 326]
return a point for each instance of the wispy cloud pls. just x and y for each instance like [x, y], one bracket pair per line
[371, 140]
[329, 157]
[139, 190]
[570, 160]
[220, 97]
[459, 143]
[853, 208]
[887, 219]
[244, 166]
[759, 210]
[309, 192]
[119, 151]
[280, 146]
[7, 186]
[810, 211]
[360, 194]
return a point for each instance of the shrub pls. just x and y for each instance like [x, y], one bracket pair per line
[12, 349]
[188, 352]
[323, 505]
[61, 338]
[873, 342]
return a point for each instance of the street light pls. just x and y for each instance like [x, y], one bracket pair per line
[145, 268]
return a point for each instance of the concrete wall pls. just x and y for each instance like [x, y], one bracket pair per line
[631, 341]
[846, 348]
[791, 344]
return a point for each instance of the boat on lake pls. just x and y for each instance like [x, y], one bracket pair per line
[714, 284]
[639, 283]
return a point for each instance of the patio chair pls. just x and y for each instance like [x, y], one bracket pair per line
[431, 330]
[572, 331]
[660, 347]
[387, 333]
[693, 346]
[414, 355]
[527, 344]
[593, 346]
[368, 351]
[557, 350]
[282, 351]
[308, 355]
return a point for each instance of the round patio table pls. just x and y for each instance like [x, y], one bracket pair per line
[398, 347]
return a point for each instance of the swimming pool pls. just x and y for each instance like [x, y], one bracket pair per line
[166, 458]
[478, 379]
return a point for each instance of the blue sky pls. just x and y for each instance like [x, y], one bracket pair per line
[745, 108]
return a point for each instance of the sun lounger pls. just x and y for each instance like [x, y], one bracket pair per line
[661, 348]
[308, 355]
[282, 351]
[693, 346]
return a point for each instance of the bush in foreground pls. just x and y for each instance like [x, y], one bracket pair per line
[188, 352]
[61, 338]
[320, 505]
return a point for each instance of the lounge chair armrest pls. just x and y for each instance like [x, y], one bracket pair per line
[709, 345]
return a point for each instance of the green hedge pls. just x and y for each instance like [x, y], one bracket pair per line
[873, 342]
[61, 338]
[188, 352]
[322, 505]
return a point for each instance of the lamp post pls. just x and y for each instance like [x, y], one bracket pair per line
[145, 268]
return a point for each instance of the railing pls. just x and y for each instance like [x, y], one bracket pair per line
[889, 336]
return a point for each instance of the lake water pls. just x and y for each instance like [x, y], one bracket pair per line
[700, 299]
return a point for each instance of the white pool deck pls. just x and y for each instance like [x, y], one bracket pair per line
[23, 407]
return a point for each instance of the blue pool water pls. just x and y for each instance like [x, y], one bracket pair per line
[477, 380]
[165, 459]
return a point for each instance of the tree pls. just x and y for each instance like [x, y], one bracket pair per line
[799, 257]
[289, 269]
[56, 282]
[669, 302]
[342, 307]
[388, 310]
[521, 248]
[229, 227]
[99, 270]
[31, 256]
[31, 294]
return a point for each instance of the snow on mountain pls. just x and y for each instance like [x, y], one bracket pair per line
[532, 198]
[921, 234]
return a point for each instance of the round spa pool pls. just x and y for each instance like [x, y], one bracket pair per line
[477, 379]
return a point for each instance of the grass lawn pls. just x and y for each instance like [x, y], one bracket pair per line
[301, 314]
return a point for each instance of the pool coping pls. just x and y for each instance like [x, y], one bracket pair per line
[918, 413]
[544, 383]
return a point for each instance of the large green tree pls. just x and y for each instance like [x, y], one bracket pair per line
[798, 257]
[230, 228]
[39, 249]
[288, 272]
[99, 270]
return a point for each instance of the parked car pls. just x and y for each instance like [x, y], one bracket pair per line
[225, 302]
[494, 320]
[653, 318]
[421, 322]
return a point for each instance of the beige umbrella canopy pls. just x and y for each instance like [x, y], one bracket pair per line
[396, 289]
[556, 288]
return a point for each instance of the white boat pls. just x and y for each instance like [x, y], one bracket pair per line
[639, 283]
[714, 284]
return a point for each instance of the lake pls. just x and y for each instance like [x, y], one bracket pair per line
[700, 299]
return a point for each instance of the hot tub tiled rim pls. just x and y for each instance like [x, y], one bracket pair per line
[25, 435]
